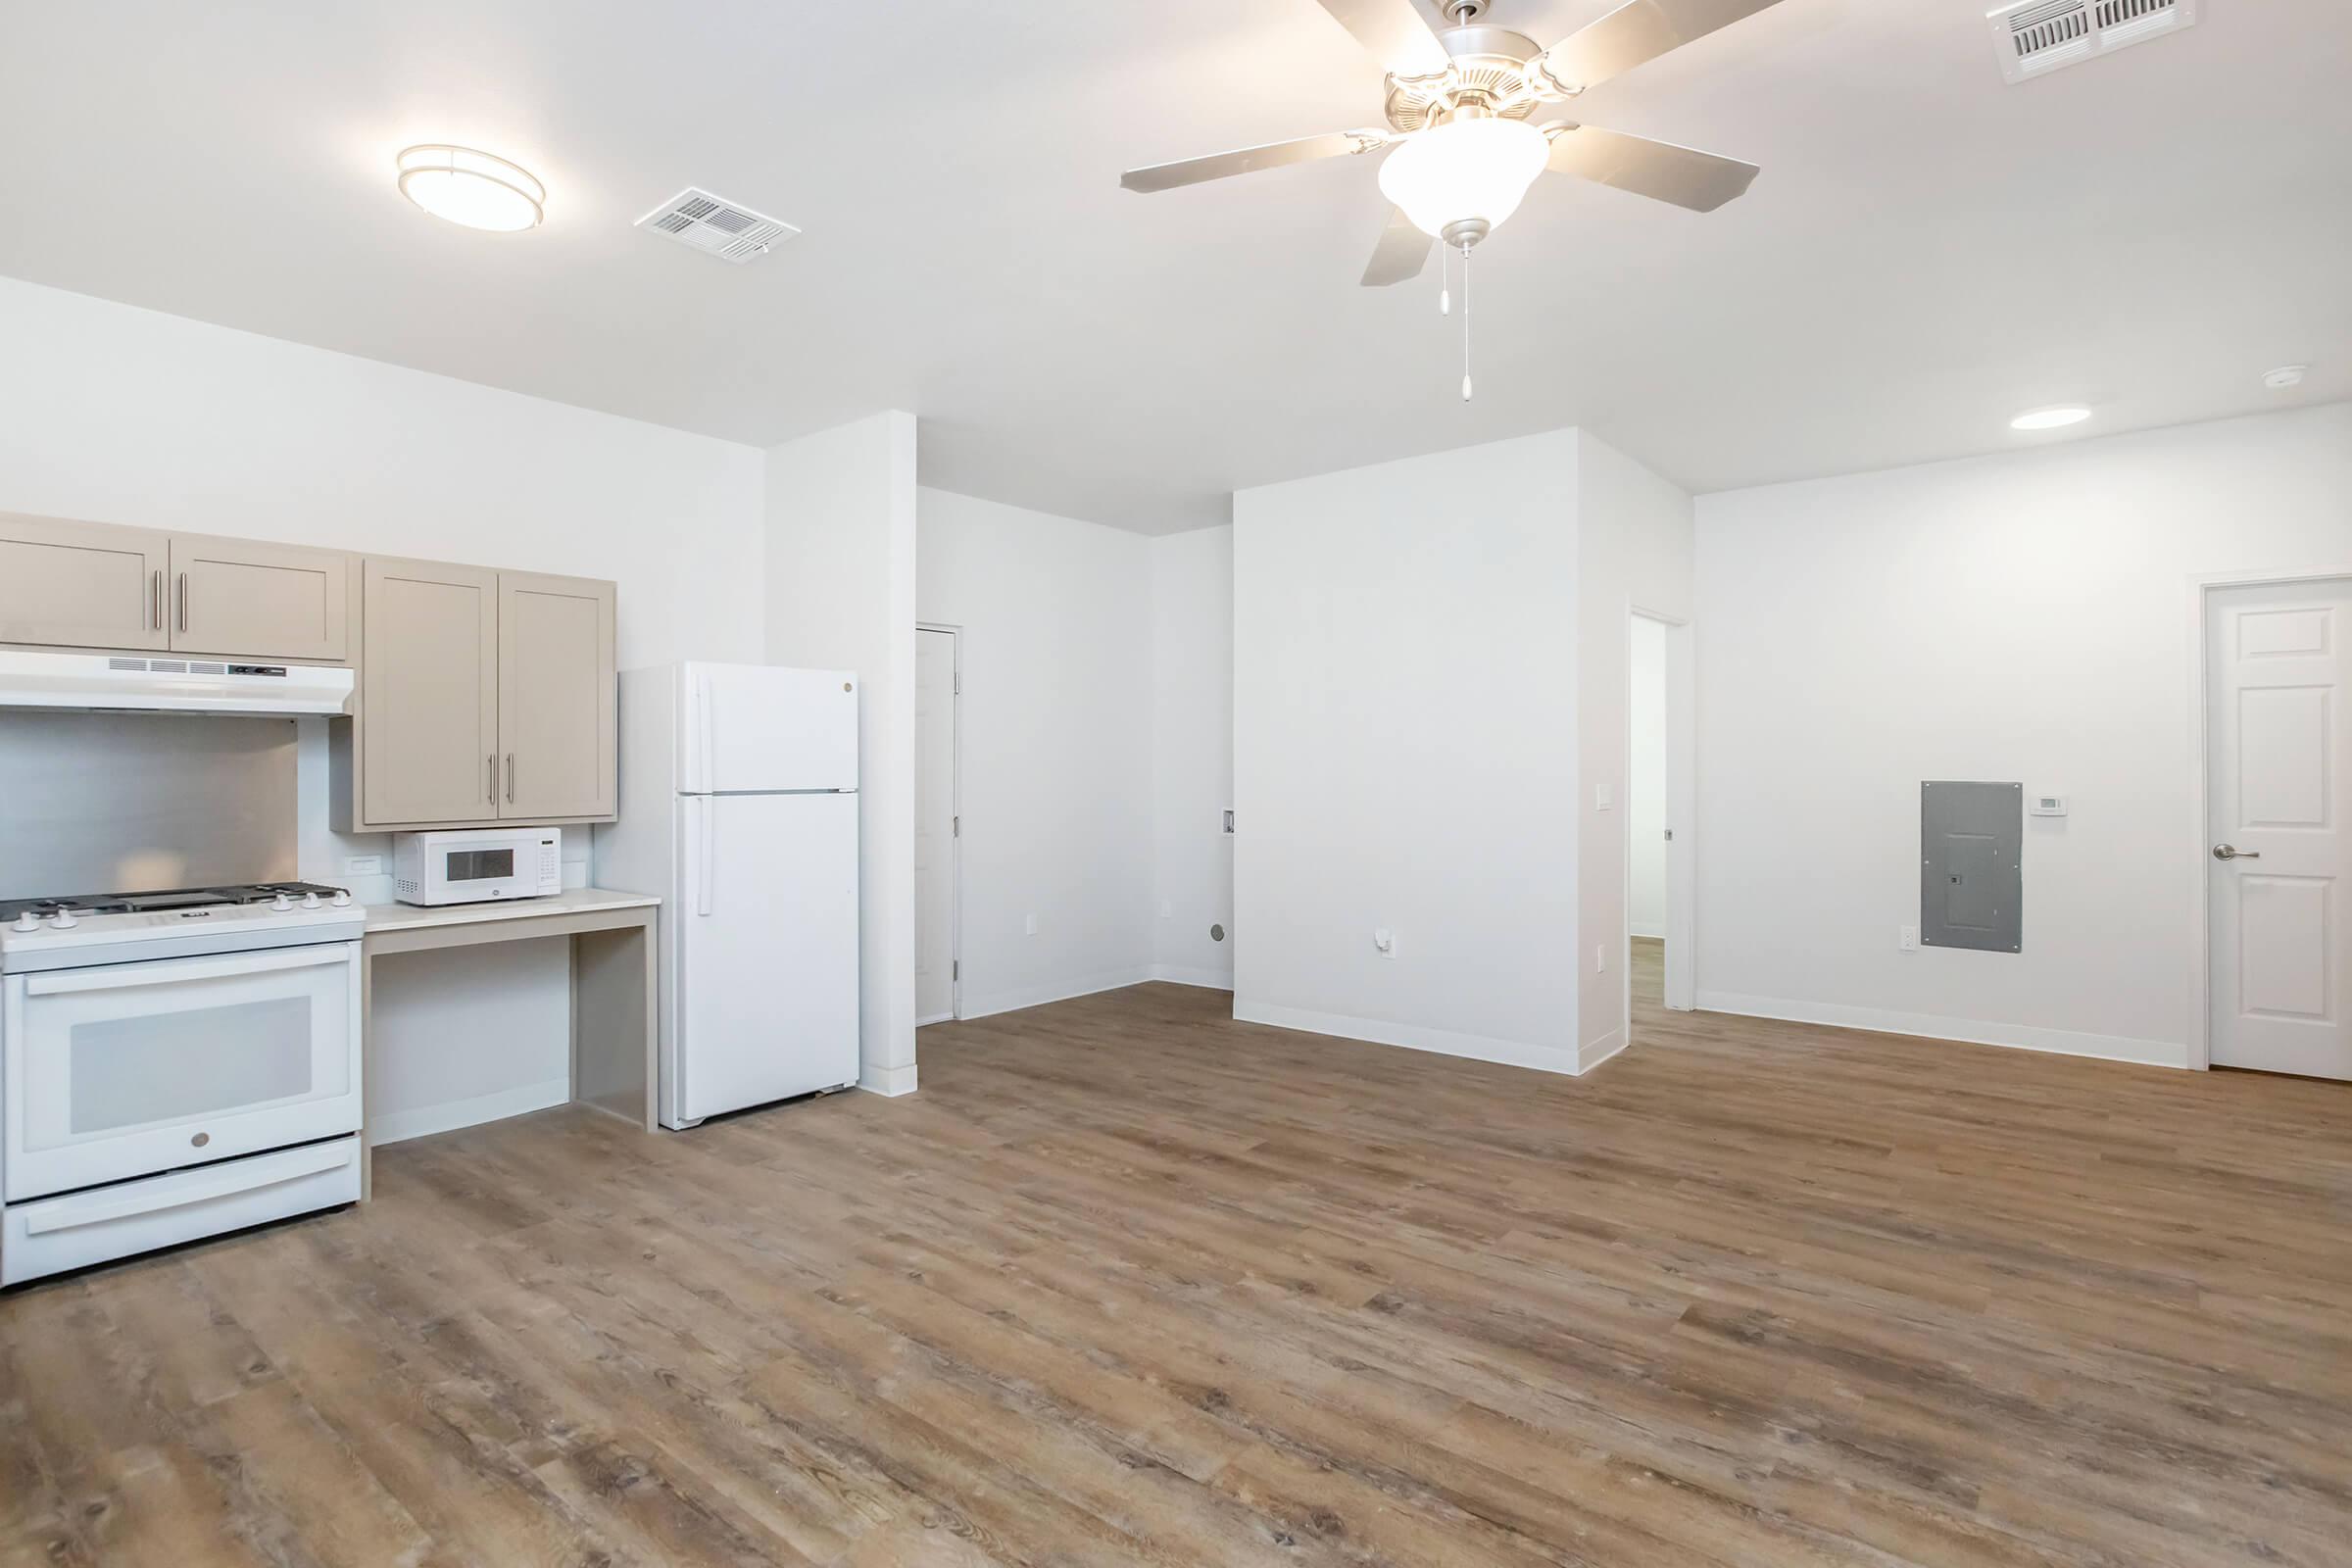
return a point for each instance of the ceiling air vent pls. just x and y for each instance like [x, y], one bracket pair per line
[2037, 36]
[726, 229]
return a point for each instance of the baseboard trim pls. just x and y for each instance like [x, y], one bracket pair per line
[398, 1126]
[1059, 991]
[937, 1017]
[1962, 1031]
[1595, 1052]
[1177, 974]
[1412, 1037]
[1634, 928]
[888, 1082]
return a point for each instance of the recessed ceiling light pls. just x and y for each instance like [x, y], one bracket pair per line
[2049, 418]
[2285, 376]
[472, 188]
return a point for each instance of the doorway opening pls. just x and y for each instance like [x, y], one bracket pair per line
[937, 824]
[2276, 839]
[1660, 742]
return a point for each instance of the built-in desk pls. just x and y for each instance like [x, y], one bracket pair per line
[616, 1035]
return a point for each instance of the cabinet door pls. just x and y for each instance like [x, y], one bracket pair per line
[428, 693]
[80, 584]
[556, 696]
[236, 598]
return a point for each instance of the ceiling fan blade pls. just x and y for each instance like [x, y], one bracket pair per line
[1402, 254]
[1638, 30]
[1394, 32]
[1250, 160]
[1700, 181]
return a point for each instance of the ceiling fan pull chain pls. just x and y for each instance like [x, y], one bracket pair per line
[1445, 280]
[1465, 323]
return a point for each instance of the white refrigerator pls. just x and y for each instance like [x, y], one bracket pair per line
[739, 808]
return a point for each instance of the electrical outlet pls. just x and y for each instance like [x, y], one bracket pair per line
[363, 865]
[1029, 926]
[1384, 942]
[1907, 938]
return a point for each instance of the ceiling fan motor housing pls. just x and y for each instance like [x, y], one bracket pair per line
[1487, 72]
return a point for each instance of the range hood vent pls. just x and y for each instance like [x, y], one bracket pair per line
[132, 684]
[2034, 37]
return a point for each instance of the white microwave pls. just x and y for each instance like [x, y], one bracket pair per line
[477, 866]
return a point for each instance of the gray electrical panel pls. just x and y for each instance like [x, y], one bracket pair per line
[1972, 889]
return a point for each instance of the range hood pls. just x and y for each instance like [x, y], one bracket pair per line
[142, 683]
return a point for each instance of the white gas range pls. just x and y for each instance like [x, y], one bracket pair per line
[172, 1066]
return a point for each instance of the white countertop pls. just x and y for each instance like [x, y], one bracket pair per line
[572, 901]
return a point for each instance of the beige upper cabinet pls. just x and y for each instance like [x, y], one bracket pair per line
[81, 585]
[236, 598]
[427, 729]
[557, 709]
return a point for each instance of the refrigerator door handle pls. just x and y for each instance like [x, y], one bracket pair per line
[704, 731]
[703, 807]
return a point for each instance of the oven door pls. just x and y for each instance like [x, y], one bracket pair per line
[128, 1069]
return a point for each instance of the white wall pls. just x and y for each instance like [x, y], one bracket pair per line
[121, 415]
[1635, 551]
[1192, 755]
[840, 528]
[1056, 715]
[1645, 783]
[1405, 740]
[2025, 616]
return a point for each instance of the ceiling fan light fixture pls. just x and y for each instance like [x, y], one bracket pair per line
[473, 188]
[1471, 169]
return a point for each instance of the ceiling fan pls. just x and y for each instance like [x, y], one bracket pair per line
[1464, 109]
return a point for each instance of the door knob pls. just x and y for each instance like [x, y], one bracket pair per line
[2231, 851]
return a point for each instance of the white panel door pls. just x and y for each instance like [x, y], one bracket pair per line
[763, 727]
[768, 949]
[2278, 790]
[934, 826]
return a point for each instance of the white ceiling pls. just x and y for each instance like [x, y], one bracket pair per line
[1927, 250]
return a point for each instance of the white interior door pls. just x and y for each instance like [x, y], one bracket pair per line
[2279, 788]
[935, 824]
[768, 949]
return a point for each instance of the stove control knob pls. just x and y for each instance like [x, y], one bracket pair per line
[64, 921]
[310, 900]
[27, 921]
[341, 898]
[281, 902]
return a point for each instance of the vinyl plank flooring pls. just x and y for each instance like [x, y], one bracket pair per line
[1130, 1283]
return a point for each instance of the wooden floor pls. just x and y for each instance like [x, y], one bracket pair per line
[1128, 1283]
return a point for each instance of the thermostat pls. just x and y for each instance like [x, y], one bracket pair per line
[2045, 804]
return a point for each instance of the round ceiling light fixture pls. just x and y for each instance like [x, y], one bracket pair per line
[2285, 376]
[2050, 419]
[1465, 177]
[473, 188]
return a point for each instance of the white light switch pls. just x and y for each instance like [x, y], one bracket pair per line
[1383, 942]
[1029, 926]
[1167, 908]
[1600, 797]
[1601, 961]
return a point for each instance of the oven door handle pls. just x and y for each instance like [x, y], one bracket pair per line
[172, 971]
[235, 1177]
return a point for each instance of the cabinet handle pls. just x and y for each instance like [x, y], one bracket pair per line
[155, 599]
[492, 760]
[510, 778]
[183, 601]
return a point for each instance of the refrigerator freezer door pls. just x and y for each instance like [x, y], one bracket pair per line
[767, 951]
[749, 727]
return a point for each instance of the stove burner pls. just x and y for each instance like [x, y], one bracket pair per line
[171, 899]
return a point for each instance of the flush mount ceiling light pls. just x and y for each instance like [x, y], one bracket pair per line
[2050, 419]
[2285, 376]
[473, 188]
